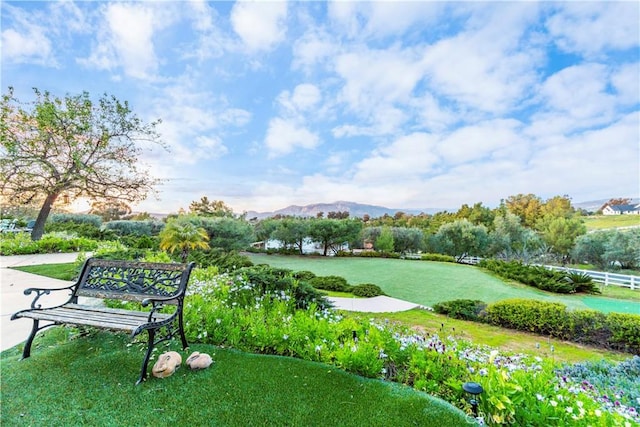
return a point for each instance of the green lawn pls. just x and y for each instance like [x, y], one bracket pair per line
[90, 381]
[427, 283]
[598, 222]
[63, 271]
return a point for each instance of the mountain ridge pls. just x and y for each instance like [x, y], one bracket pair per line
[354, 209]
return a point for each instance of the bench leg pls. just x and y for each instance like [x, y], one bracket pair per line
[26, 352]
[145, 363]
[182, 337]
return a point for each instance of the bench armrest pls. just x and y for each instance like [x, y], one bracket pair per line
[159, 300]
[46, 291]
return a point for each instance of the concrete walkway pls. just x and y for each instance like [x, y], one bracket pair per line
[14, 282]
[12, 286]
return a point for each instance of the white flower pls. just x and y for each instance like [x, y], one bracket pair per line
[569, 409]
[579, 403]
[540, 397]
[598, 413]
[553, 403]
[285, 337]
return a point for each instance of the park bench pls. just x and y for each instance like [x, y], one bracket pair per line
[151, 284]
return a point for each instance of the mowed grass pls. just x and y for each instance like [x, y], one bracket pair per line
[497, 337]
[599, 222]
[427, 283]
[62, 271]
[90, 380]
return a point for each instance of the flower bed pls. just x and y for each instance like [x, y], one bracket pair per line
[228, 310]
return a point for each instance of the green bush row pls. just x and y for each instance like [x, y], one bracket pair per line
[437, 257]
[21, 244]
[541, 277]
[615, 331]
[368, 254]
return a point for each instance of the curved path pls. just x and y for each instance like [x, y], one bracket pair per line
[14, 282]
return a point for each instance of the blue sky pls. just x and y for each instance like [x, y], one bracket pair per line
[401, 104]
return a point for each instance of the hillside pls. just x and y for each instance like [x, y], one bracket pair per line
[354, 209]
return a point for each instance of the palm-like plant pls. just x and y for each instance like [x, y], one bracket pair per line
[183, 236]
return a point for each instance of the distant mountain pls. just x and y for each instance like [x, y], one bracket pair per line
[354, 209]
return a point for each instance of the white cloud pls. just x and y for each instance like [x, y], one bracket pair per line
[576, 97]
[260, 25]
[304, 98]
[313, 48]
[483, 141]
[626, 81]
[126, 39]
[409, 156]
[492, 65]
[26, 41]
[283, 136]
[590, 28]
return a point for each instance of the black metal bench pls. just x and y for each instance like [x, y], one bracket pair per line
[158, 284]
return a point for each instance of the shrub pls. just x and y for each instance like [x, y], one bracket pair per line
[304, 275]
[94, 220]
[88, 230]
[367, 290]
[539, 277]
[437, 257]
[582, 282]
[614, 330]
[133, 228]
[464, 309]
[21, 244]
[330, 283]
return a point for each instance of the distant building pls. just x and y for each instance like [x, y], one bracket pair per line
[621, 210]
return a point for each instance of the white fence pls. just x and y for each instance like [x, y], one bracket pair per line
[606, 278]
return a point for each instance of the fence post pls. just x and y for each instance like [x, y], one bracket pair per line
[606, 278]
[632, 284]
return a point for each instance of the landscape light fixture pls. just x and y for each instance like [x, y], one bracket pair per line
[474, 389]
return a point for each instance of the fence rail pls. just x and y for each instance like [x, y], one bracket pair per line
[604, 277]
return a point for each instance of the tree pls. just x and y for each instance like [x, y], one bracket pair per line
[384, 242]
[510, 239]
[215, 208]
[461, 238]
[407, 239]
[110, 211]
[292, 232]
[590, 248]
[332, 233]
[526, 206]
[561, 233]
[180, 234]
[72, 147]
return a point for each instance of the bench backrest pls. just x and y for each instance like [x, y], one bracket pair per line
[131, 280]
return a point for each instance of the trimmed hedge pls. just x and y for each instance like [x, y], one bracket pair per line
[616, 331]
[437, 257]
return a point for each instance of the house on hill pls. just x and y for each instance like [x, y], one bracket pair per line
[621, 210]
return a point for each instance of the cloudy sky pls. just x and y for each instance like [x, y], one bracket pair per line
[401, 104]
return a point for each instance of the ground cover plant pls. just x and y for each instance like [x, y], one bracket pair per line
[90, 381]
[225, 311]
[427, 283]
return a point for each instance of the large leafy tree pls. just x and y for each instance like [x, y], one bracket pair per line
[292, 232]
[71, 147]
[206, 207]
[461, 238]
